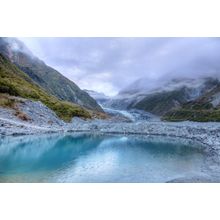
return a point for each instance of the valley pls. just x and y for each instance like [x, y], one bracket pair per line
[36, 99]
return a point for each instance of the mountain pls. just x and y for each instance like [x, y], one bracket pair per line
[204, 108]
[14, 82]
[45, 76]
[98, 96]
[175, 99]
[173, 94]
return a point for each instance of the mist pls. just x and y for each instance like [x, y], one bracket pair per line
[111, 64]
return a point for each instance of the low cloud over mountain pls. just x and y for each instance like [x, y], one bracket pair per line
[111, 64]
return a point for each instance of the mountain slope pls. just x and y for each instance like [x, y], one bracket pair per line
[204, 108]
[175, 93]
[177, 99]
[14, 82]
[160, 103]
[46, 77]
[98, 96]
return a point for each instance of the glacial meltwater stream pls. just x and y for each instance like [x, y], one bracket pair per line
[97, 158]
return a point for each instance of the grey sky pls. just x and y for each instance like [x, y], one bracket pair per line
[110, 64]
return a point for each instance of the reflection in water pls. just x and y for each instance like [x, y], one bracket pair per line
[95, 158]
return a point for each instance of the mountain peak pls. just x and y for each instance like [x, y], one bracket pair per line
[12, 45]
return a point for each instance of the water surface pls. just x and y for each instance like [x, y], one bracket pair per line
[97, 158]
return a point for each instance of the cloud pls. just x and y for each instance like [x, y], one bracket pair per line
[110, 64]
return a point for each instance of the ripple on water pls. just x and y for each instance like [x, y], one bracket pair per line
[98, 158]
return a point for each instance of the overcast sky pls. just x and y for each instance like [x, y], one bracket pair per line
[110, 64]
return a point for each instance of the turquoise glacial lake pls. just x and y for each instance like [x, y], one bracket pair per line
[97, 158]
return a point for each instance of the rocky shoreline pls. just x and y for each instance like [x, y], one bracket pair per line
[205, 133]
[41, 119]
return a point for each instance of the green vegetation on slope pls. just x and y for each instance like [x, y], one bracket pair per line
[192, 115]
[46, 77]
[16, 83]
[200, 109]
[160, 103]
[175, 105]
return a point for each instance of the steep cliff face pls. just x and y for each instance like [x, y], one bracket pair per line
[45, 76]
[14, 82]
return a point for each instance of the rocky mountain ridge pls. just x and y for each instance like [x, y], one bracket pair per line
[169, 99]
[15, 83]
[45, 76]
